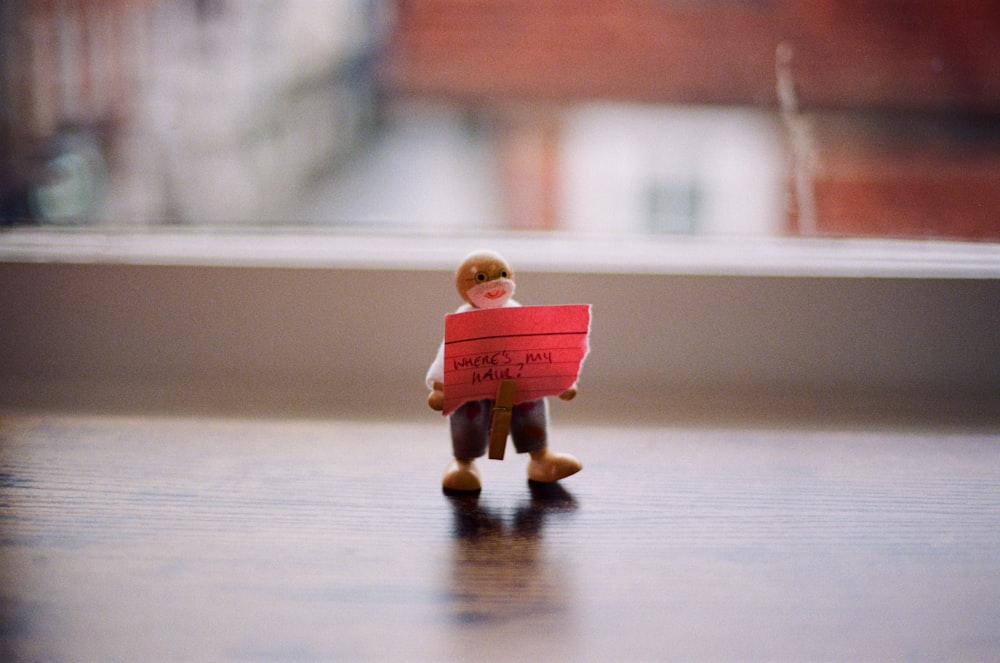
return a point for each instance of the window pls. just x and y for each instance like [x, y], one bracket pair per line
[871, 119]
[732, 167]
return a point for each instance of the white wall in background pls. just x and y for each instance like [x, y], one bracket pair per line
[675, 170]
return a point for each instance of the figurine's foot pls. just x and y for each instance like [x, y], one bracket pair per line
[461, 476]
[547, 466]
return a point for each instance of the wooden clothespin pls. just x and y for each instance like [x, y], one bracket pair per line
[500, 424]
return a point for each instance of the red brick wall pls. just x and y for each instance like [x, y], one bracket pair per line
[877, 178]
[847, 53]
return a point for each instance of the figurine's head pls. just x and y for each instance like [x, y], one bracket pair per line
[485, 280]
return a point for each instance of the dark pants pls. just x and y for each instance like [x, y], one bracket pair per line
[470, 427]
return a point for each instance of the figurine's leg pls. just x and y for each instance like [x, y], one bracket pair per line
[529, 432]
[470, 429]
[529, 424]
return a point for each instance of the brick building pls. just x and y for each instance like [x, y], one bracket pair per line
[892, 128]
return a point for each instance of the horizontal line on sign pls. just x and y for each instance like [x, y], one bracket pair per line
[527, 364]
[487, 338]
[463, 388]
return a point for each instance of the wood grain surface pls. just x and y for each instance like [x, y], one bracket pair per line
[182, 539]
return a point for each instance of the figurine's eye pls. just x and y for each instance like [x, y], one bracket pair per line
[481, 276]
[504, 273]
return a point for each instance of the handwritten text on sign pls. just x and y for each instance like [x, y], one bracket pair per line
[541, 347]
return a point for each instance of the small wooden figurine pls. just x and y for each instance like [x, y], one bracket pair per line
[486, 281]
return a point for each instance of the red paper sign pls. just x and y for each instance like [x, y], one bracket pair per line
[540, 347]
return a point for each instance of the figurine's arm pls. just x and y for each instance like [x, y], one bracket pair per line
[436, 398]
[435, 381]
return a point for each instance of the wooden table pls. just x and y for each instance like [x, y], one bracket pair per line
[179, 539]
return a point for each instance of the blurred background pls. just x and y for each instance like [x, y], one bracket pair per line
[840, 118]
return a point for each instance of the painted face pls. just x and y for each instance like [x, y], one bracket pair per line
[485, 280]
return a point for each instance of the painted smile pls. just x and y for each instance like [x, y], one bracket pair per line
[490, 294]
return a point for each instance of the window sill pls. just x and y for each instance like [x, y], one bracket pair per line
[275, 321]
[550, 252]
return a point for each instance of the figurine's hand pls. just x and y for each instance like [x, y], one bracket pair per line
[436, 398]
[569, 394]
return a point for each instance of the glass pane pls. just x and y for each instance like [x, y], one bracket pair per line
[682, 117]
